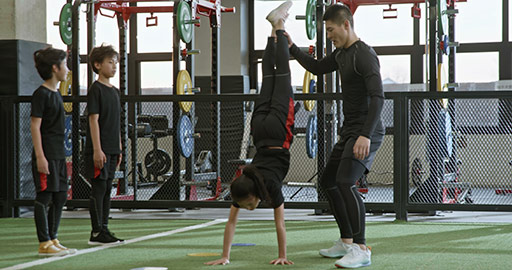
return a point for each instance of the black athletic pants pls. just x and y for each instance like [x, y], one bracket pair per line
[338, 181]
[273, 117]
[47, 212]
[99, 203]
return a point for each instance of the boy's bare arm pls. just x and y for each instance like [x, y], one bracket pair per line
[99, 156]
[35, 129]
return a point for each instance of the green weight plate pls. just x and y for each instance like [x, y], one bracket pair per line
[184, 27]
[311, 19]
[442, 17]
[65, 24]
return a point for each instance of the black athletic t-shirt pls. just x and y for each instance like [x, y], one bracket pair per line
[104, 100]
[363, 95]
[273, 164]
[47, 105]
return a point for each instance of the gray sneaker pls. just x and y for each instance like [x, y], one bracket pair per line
[339, 249]
[355, 258]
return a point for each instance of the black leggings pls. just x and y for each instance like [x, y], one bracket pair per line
[99, 203]
[48, 219]
[273, 116]
[338, 181]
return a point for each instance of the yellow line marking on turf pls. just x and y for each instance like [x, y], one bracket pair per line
[131, 241]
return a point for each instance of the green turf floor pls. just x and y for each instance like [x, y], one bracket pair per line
[396, 245]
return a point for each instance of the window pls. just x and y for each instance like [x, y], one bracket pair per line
[479, 21]
[373, 29]
[296, 28]
[156, 78]
[477, 67]
[395, 68]
[155, 38]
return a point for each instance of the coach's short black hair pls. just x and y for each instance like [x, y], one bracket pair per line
[45, 59]
[98, 54]
[338, 14]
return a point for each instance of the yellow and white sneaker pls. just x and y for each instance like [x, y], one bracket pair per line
[57, 243]
[49, 249]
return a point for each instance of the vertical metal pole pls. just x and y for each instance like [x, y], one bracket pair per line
[91, 41]
[417, 117]
[176, 168]
[123, 89]
[75, 91]
[190, 66]
[435, 160]
[253, 66]
[320, 108]
[215, 84]
[401, 156]
[432, 19]
[133, 89]
[452, 164]
[505, 65]
[16, 210]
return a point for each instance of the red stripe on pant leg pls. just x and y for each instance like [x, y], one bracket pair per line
[290, 120]
[43, 178]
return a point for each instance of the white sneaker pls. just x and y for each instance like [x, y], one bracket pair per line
[279, 13]
[339, 249]
[355, 258]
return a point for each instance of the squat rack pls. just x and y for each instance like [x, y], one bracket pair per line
[123, 9]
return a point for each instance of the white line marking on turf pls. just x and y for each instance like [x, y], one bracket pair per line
[131, 241]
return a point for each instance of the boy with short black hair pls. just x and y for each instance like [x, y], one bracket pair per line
[103, 141]
[48, 158]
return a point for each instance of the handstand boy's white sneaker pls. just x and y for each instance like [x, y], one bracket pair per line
[339, 249]
[355, 258]
[279, 13]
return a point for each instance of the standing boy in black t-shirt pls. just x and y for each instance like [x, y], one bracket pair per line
[48, 159]
[103, 142]
[361, 135]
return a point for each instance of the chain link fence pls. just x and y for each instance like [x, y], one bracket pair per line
[459, 151]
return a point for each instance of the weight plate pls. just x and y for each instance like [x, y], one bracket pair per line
[65, 90]
[157, 162]
[184, 87]
[184, 27]
[65, 24]
[307, 88]
[68, 142]
[442, 17]
[311, 19]
[185, 136]
[442, 83]
[311, 137]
